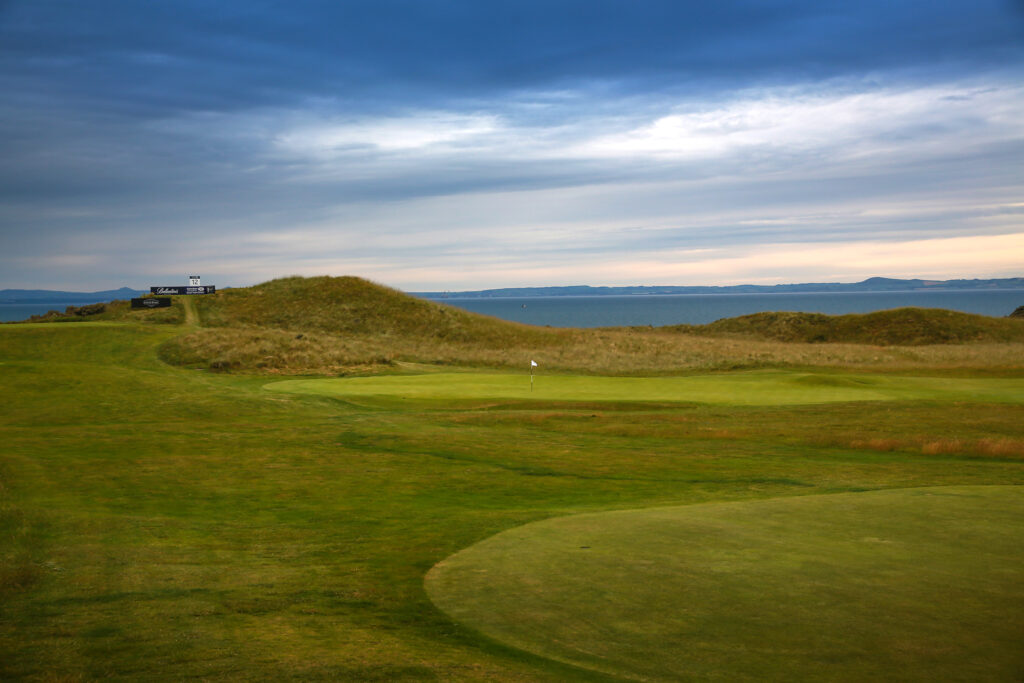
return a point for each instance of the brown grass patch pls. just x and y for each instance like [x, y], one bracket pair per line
[990, 447]
[984, 447]
[878, 444]
[609, 352]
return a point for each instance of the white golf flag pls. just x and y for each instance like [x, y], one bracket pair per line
[533, 363]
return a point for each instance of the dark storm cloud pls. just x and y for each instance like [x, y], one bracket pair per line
[158, 57]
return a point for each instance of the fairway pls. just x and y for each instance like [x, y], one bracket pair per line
[743, 388]
[921, 584]
[163, 522]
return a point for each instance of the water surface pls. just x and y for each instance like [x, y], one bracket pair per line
[698, 309]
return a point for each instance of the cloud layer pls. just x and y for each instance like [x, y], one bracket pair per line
[464, 145]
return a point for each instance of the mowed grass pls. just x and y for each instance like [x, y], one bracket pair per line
[912, 584]
[742, 388]
[163, 523]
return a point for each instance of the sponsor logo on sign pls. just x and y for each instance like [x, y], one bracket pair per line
[151, 302]
[201, 289]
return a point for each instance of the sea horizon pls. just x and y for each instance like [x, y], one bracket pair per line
[657, 310]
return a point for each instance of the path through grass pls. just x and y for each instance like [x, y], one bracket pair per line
[189, 306]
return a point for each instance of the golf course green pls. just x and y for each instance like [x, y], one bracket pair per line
[741, 389]
[322, 479]
[912, 584]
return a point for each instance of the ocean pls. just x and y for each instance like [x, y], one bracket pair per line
[698, 309]
[675, 309]
[15, 312]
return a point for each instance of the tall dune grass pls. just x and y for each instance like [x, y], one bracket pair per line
[902, 326]
[602, 352]
[341, 325]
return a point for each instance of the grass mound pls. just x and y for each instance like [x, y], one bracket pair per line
[342, 325]
[351, 306]
[897, 327]
[339, 325]
[911, 584]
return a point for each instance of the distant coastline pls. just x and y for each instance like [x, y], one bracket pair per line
[874, 284]
[48, 296]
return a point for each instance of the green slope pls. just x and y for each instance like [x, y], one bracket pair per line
[348, 305]
[902, 326]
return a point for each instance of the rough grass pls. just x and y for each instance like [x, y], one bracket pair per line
[119, 310]
[353, 306]
[349, 325]
[902, 327]
[608, 352]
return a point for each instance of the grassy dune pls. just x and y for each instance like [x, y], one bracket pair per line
[160, 521]
[348, 325]
[353, 306]
[902, 327]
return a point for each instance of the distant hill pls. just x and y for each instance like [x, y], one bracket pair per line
[45, 296]
[874, 284]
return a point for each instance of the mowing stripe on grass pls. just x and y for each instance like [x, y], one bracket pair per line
[745, 388]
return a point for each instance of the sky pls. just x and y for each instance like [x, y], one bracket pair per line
[435, 145]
